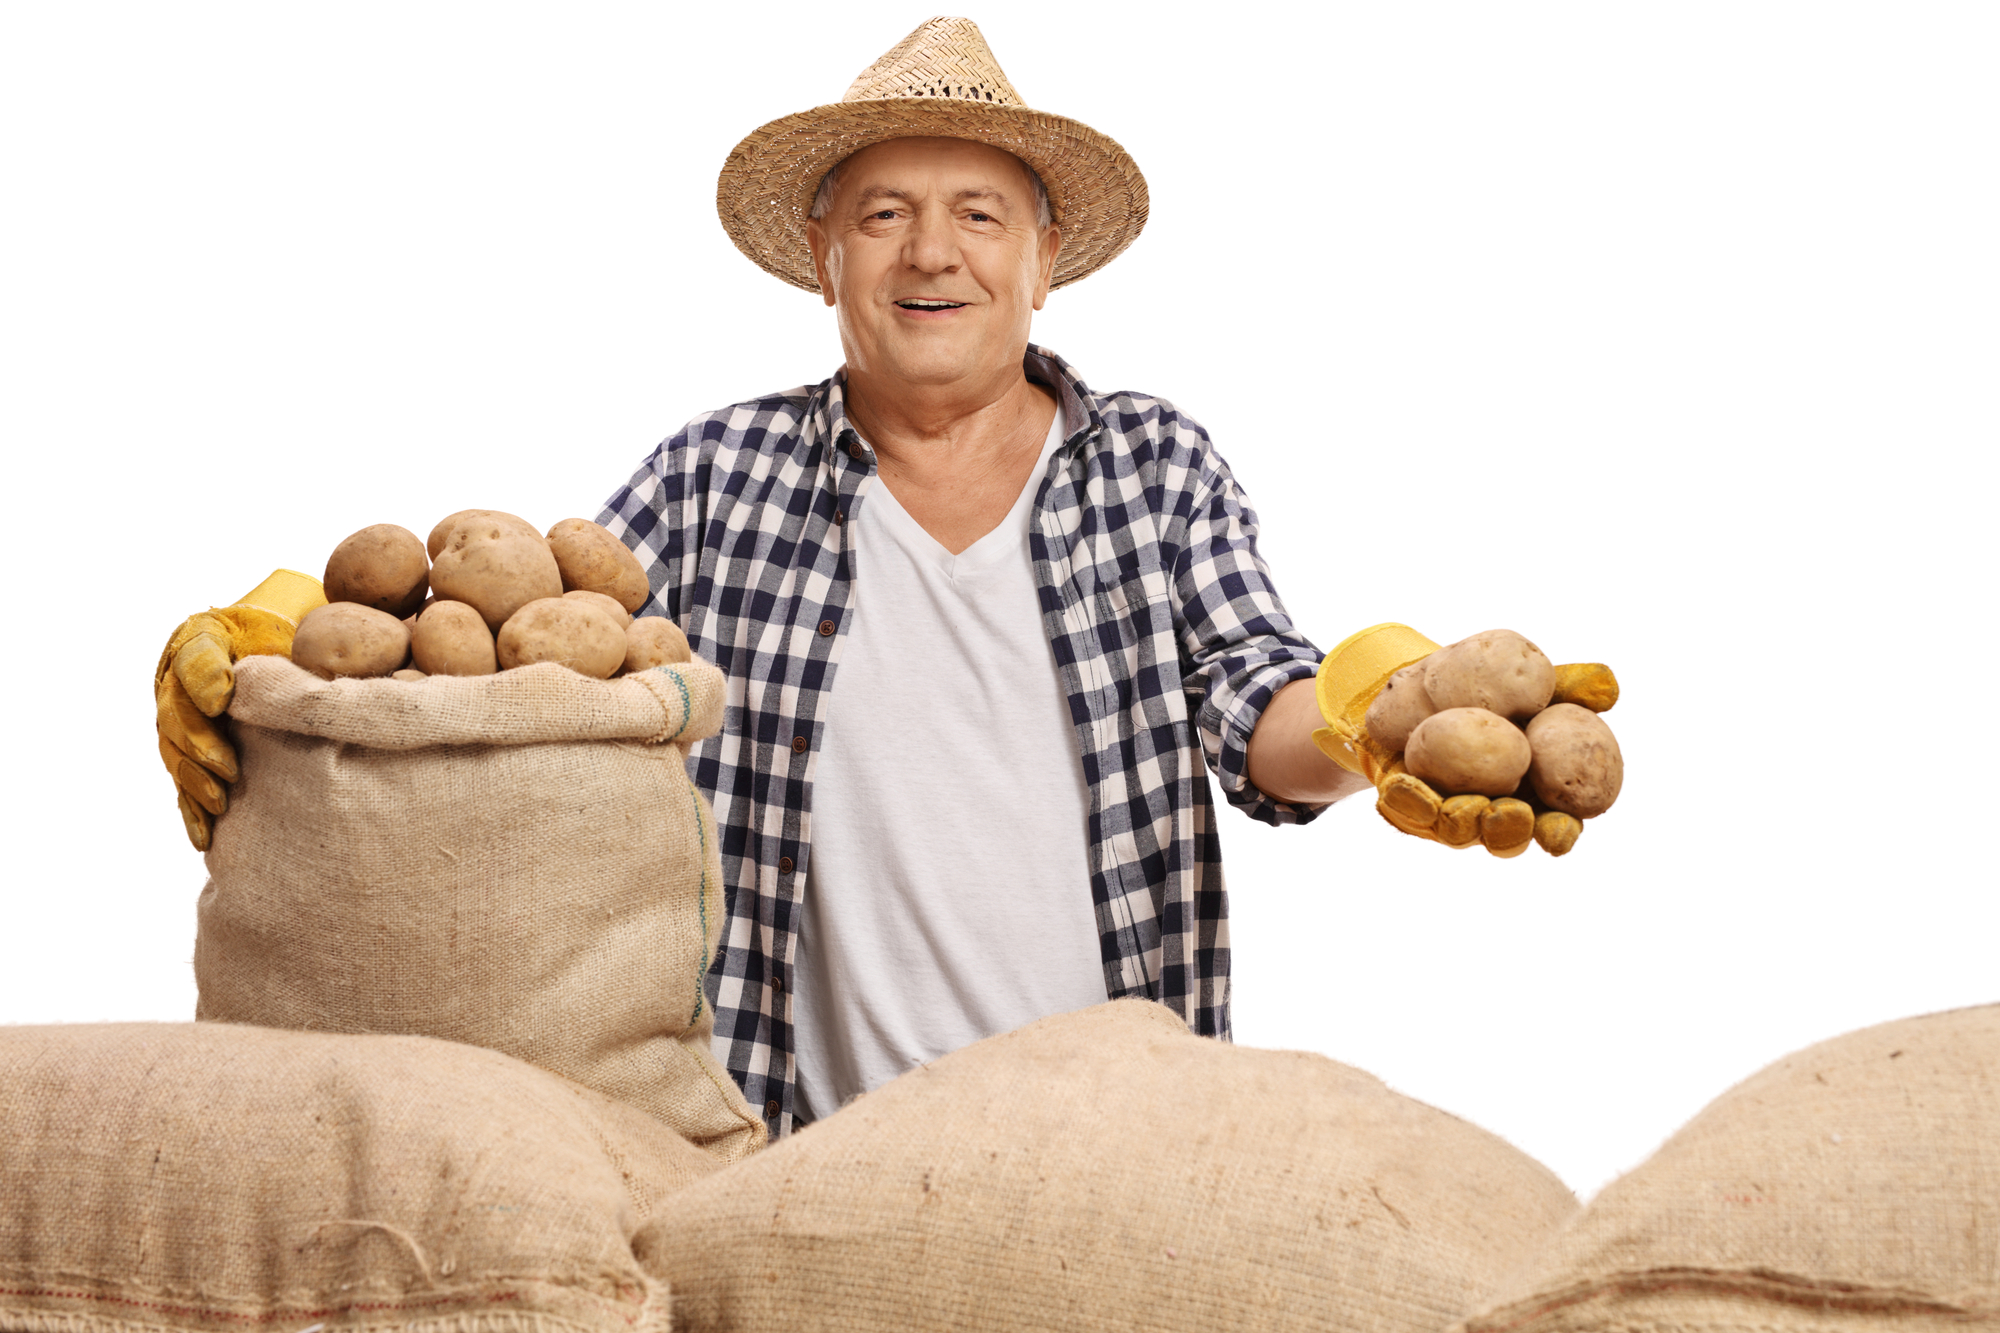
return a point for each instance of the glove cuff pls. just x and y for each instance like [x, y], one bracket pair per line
[287, 594]
[1361, 664]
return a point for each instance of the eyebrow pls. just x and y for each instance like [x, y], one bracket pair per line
[874, 192]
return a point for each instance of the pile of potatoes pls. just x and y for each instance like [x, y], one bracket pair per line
[487, 592]
[1476, 721]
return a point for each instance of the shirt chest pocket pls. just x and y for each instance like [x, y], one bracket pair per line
[1133, 626]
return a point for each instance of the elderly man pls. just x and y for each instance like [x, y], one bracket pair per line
[984, 626]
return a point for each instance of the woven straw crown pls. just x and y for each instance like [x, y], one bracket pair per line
[943, 81]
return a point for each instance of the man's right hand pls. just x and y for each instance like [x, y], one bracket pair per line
[196, 679]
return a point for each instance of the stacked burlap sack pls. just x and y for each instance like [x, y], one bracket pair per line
[1107, 1170]
[210, 1177]
[1851, 1188]
[516, 861]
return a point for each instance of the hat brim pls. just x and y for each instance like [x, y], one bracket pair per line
[767, 186]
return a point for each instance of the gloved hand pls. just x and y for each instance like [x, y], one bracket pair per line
[196, 679]
[1348, 681]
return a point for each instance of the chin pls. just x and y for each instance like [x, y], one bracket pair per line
[935, 364]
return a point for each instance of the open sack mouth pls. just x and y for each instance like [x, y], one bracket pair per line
[919, 303]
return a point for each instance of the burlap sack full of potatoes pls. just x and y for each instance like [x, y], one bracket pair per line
[513, 858]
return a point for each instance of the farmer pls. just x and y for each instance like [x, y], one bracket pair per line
[984, 627]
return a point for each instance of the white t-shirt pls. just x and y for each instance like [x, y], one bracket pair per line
[948, 891]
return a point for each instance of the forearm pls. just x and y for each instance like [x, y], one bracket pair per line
[1284, 762]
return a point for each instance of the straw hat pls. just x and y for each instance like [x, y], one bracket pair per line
[940, 80]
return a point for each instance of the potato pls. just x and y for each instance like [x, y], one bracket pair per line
[1577, 766]
[1498, 670]
[408, 673]
[489, 522]
[1468, 751]
[592, 560]
[383, 567]
[349, 639]
[1402, 704]
[451, 639]
[582, 637]
[496, 575]
[652, 641]
[608, 605]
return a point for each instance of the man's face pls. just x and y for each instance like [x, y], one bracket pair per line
[930, 254]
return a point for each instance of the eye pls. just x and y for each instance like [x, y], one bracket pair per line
[886, 215]
[979, 217]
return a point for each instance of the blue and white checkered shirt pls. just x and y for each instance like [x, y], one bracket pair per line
[1164, 626]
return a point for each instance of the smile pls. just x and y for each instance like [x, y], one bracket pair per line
[919, 303]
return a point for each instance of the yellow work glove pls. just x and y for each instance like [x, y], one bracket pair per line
[1348, 681]
[196, 679]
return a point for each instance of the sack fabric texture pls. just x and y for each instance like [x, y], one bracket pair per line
[206, 1177]
[516, 861]
[1852, 1186]
[1108, 1170]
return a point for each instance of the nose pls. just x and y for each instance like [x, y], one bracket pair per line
[931, 245]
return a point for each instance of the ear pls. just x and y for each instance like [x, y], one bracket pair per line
[1051, 246]
[816, 241]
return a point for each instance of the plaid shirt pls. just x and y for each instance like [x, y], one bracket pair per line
[1163, 626]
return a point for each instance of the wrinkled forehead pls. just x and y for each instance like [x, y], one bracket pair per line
[960, 168]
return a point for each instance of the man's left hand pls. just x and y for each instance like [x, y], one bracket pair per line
[1348, 681]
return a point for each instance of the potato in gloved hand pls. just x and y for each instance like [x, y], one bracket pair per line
[1379, 690]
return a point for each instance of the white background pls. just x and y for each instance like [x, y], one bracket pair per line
[1665, 334]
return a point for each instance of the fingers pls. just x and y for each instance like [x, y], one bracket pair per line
[1507, 826]
[191, 732]
[1410, 799]
[195, 782]
[1557, 832]
[1458, 820]
[205, 670]
[1402, 825]
[197, 822]
[1590, 684]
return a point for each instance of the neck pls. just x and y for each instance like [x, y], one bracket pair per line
[919, 425]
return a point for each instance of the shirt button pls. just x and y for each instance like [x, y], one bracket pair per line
[777, 983]
[798, 745]
[784, 865]
[839, 516]
[771, 1109]
[825, 628]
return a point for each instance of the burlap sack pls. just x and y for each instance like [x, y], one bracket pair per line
[1853, 1186]
[210, 1177]
[1107, 1170]
[515, 861]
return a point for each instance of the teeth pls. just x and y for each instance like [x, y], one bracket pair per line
[930, 305]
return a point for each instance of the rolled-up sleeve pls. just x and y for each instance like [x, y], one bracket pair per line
[1239, 645]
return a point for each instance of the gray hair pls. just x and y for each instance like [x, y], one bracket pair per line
[1044, 216]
